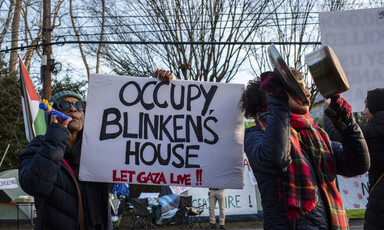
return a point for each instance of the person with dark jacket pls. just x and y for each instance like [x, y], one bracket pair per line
[49, 169]
[374, 135]
[294, 162]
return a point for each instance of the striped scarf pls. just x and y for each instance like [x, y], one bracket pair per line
[296, 188]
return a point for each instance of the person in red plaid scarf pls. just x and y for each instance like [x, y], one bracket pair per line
[294, 161]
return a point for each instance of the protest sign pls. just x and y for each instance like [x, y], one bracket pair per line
[178, 189]
[145, 131]
[357, 37]
[8, 183]
[354, 191]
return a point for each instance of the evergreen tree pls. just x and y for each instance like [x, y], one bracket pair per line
[12, 129]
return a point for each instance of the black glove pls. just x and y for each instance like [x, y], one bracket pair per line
[271, 83]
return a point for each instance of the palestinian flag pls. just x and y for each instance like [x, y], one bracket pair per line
[34, 119]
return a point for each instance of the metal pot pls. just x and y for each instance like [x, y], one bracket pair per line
[327, 72]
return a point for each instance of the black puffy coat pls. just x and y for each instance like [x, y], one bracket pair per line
[44, 175]
[269, 155]
[374, 135]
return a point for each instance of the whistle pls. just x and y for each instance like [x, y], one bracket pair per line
[45, 105]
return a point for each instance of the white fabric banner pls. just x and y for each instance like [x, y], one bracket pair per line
[8, 183]
[237, 201]
[354, 191]
[144, 131]
[357, 37]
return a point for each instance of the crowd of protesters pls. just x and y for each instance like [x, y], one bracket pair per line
[294, 161]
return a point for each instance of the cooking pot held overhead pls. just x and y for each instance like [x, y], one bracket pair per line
[327, 72]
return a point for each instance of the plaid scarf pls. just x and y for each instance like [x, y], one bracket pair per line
[296, 188]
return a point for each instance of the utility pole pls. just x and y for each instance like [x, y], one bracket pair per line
[46, 60]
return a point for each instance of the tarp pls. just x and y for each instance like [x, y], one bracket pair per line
[169, 205]
[9, 192]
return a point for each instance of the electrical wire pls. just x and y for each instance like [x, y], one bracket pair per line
[159, 43]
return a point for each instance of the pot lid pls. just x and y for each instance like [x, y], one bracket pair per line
[286, 76]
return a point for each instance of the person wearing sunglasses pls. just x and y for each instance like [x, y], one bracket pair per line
[49, 169]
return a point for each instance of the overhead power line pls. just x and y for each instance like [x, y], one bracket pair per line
[173, 15]
[150, 31]
[267, 22]
[159, 43]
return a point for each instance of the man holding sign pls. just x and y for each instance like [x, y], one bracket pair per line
[49, 170]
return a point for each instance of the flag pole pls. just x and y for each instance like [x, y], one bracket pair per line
[5, 153]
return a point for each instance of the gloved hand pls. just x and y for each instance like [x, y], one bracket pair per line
[271, 84]
[163, 75]
[339, 111]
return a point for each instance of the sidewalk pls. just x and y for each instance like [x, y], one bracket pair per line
[256, 225]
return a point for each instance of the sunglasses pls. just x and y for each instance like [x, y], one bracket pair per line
[65, 105]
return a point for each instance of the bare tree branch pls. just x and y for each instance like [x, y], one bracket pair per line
[182, 21]
[78, 37]
[15, 36]
[7, 21]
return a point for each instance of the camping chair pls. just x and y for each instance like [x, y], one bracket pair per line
[141, 216]
[189, 215]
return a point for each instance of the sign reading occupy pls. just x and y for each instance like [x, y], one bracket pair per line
[145, 131]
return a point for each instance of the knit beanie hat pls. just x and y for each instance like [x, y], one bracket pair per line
[58, 96]
[64, 94]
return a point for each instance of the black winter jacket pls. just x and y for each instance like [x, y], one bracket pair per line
[44, 175]
[269, 155]
[374, 136]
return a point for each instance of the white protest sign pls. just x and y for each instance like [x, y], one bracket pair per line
[181, 133]
[178, 189]
[354, 191]
[357, 37]
[8, 183]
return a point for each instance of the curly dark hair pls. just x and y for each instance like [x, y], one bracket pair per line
[253, 99]
[298, 75]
